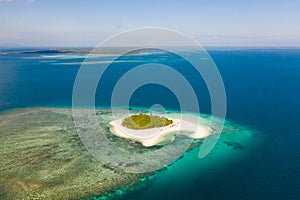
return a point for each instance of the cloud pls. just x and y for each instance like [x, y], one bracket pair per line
[6, 1]
[9, 1]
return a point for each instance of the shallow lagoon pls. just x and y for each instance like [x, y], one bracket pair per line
[43, 157]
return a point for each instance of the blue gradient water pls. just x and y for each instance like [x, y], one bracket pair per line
[262, 87]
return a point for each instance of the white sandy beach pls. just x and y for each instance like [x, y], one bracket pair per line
[159, 136]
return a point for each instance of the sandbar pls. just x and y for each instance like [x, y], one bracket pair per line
[162, 135]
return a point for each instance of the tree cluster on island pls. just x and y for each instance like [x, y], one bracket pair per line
[143, 121]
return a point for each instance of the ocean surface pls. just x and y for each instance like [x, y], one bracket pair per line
[262, 88]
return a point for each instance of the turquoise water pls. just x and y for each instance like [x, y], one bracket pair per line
[262, 87]
[191, 177]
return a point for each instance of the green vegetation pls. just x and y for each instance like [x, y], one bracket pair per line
[143, 121]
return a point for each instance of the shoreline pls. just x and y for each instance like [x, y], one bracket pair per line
[159, 136]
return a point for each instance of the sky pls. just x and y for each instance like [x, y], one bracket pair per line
[210, 22]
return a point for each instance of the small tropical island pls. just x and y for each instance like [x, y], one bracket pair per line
[153, 130]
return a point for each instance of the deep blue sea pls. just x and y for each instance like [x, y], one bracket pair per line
[262, 88]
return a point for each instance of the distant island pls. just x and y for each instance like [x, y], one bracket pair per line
[80, 50]
[153, 130]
